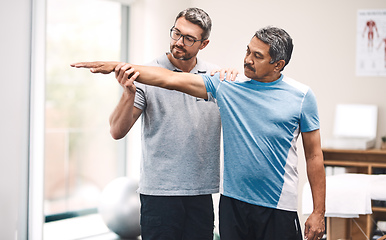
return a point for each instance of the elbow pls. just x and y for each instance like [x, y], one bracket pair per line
[116, 135]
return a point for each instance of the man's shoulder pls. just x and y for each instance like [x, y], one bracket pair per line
[161, 61]
[211, 81]
[296, 84]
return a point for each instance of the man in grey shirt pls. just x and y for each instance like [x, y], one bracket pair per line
[180, 140]
[178, 156]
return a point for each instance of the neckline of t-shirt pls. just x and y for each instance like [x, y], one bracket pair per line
[256, 82]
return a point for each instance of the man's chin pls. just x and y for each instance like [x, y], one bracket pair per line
[177, 55]
[180, 57]
[248, 73]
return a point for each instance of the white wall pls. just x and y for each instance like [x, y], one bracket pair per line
[14, 126]
[150, 22]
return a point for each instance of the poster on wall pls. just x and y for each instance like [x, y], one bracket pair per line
[371, 42]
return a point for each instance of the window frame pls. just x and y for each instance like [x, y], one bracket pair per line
[36, 217]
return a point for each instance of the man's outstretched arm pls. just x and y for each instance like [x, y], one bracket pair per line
[191, 84]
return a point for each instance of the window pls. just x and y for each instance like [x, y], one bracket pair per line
[80, 155]
[72, 155]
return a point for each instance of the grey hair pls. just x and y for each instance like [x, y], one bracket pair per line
[279, 41]
[199, 17]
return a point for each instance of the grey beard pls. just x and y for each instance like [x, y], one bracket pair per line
[181, 58]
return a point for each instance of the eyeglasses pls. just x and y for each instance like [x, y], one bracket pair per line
[187, 40]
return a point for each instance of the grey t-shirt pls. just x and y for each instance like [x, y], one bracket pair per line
[180, 139]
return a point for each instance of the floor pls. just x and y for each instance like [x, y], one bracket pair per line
[90, 227]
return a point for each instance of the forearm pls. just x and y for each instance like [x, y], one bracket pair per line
[315, 169]
[122, 118]
[317, 179]
[191, 84]
[155, 76]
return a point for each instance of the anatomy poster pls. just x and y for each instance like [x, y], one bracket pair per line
[371, 42]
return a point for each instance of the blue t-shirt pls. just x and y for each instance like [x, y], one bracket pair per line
[261, 123]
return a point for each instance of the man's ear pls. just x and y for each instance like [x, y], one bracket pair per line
[279, 65]
[204, 44]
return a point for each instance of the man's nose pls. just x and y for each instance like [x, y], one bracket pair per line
[248, 60]
[180, 42]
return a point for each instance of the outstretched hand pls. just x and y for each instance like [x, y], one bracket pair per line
[104, 67]
[231, 73]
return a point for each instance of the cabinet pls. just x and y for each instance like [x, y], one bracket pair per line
[356, 161]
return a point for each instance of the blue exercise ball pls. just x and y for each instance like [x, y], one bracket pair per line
[120, 207]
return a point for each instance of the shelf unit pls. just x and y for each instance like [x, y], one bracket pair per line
[355, 161]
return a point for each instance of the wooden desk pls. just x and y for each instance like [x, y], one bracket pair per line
[355, 161]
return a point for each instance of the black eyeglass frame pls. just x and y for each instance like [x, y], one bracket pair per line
[184, 37]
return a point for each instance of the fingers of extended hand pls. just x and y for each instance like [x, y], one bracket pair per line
[83, 64]
[95, 67]
[78, 64]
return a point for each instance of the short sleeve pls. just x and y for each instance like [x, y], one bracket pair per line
[309, 119]
[211, 84]
[140, 99]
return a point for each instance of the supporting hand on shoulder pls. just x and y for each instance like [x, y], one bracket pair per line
[231, 73]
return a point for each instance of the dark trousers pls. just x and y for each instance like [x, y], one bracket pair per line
[243, 221]
[177, 217]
